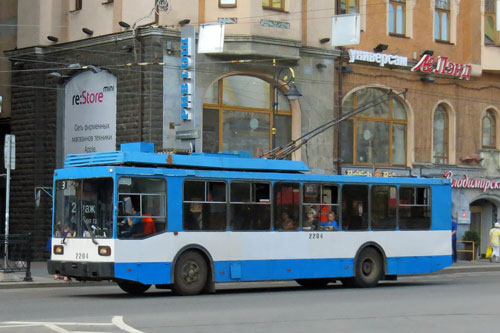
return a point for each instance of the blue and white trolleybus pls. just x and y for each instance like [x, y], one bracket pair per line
[186, 222]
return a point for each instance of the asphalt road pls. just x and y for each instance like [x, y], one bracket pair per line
[461, 302]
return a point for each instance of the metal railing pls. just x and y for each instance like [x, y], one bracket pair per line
[19, 254]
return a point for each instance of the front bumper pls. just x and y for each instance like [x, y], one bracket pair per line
[84, 271]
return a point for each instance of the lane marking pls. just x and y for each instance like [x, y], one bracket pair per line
[116, 321]
[56, 328]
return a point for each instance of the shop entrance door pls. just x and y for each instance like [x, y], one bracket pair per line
[475, 225]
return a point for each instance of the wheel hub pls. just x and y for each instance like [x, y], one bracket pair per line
[367, 267]
[191, 272]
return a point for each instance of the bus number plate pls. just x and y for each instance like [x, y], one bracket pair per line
[315, 235]
[82, 255]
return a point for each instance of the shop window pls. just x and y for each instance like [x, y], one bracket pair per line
[238, 115]
[274, 4]
[440, 136]
[489, 130]
[397, 15]
[442, 20]
[347, 6]
[376, 135]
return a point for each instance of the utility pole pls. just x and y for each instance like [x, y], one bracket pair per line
[338, 112]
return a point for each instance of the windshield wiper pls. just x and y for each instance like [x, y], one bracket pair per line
[89, 229]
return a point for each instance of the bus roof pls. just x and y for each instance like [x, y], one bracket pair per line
[142, 153]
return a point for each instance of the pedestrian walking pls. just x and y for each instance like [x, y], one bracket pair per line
[494, 242]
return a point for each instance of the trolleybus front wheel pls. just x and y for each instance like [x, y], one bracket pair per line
[190, 275]
[133, 287]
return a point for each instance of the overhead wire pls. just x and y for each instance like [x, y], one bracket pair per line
[282, 152]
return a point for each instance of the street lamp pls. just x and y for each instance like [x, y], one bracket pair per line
[284, 77]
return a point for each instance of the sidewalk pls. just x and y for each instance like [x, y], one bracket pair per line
[42, 279]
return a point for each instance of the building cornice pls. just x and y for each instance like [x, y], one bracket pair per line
[255, 44]
[95, 41]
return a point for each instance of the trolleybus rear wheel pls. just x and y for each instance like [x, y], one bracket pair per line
[190, 275]
[369, 269]
[133, 287]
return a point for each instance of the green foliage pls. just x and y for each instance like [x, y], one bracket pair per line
[472, 235]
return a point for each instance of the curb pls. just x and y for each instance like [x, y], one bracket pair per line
[466, 269]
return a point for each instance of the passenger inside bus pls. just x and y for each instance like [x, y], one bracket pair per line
[311, 222]
[132, 225]
[330, 224]
[286, 223]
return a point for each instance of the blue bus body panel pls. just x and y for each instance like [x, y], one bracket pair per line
[262, 270]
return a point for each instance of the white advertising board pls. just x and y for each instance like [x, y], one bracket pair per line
[211, 38]
[90, 113]
[346, 29]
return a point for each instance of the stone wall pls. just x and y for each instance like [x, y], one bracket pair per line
[34, 117]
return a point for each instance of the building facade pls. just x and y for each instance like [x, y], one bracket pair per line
[89, 75]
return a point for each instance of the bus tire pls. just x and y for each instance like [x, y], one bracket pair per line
[313, 283]
[190, 274]
[369, 269]
[133, 287]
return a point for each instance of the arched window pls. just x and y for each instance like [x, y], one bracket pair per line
[238, 115]
[489, 129]
[378, 134]
[440, 136]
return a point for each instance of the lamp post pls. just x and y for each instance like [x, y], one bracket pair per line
[284, 77]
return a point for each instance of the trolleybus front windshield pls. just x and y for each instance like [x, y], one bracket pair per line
[83, 208]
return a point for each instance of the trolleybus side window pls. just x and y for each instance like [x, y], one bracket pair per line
[383, 207]
[286, 206]
[204, 206]
[250, 206]
[142, 204]
[414, 208]
[354, 207]
[83, 208]
[318, 200]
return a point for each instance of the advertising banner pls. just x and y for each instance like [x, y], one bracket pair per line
[90, 113]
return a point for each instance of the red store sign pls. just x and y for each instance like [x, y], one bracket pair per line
[443, 65]
[483, 184]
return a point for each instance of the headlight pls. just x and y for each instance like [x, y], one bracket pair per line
[58, 249]
[104, 250]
